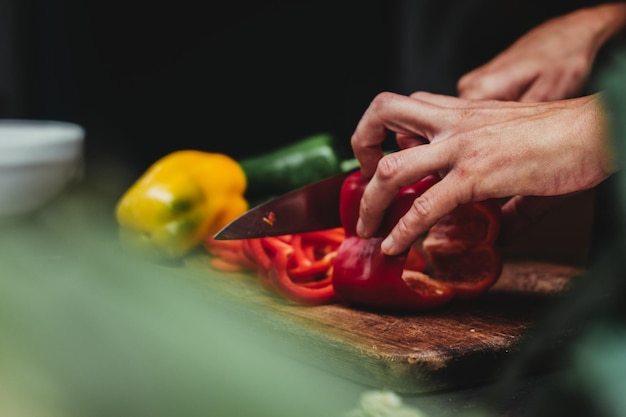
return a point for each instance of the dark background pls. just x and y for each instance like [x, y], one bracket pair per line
[147, 78]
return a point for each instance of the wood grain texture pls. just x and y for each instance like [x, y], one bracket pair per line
[462, 343]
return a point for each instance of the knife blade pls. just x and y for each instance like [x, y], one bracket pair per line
[306, 209]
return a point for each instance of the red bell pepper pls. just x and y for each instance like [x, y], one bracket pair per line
[460, 249]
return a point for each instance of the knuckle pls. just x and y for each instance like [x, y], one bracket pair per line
[465, 171]
[388, 167]
[355, 139]
[469, 86]
[422, 207]
[383, 99]
[420, 95]
[463, 85]
[478, 88]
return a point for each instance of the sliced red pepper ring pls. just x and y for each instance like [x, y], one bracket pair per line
[332, 237]
[255, 251]
[318, 283]
[283, 283]
[312, 270]
[301, 256]
[302, 294]
[460, 251]
[298, 267]
[229, 255]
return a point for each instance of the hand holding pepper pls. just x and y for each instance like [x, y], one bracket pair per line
[487, 149]
[456, 259]
[552, 61]
[480, 149]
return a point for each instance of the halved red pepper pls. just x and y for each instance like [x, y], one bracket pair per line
[461, 248]
[462, 255]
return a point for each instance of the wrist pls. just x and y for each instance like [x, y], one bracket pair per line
[604, 21]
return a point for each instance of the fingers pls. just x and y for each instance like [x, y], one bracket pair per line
[415, 120]
[493, 84]
[525, 81]
[438, 99]
[395, 171]
[418, 119]
[551, 87]
[426, 210]
[396, 113]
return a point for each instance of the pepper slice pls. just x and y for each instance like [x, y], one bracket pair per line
[365, 277]
[297, 267]
[283, 284]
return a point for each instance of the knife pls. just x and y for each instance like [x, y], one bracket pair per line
[306, 209]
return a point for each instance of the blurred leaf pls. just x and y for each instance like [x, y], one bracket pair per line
[86, 329]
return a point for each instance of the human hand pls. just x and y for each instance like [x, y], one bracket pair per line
[551, 62]
[480, 149]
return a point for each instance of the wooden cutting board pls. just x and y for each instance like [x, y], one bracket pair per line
[462, 343]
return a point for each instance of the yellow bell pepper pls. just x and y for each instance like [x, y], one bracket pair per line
[180, 200]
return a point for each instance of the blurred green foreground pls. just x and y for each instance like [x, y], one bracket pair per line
[88, 330]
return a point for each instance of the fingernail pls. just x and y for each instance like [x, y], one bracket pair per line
[387, 245]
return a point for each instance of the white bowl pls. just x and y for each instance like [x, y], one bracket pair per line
[38, 160]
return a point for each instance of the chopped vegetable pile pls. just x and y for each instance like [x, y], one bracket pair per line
[297, 267]
[457, 258]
